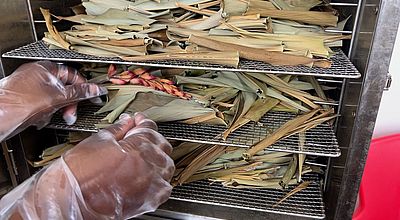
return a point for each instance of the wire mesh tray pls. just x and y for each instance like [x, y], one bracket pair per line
[341, 65]
[320, 140]
[306, 203]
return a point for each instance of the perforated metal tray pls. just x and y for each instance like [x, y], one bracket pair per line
[320, 140]
[341, 65]
[306, 203]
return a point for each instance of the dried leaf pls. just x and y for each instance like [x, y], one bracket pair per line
[269, 45]
[247, 99]
[284, 100]
[125, 43]
[245, 24]
[53, 31]
[195, 10]
[76, 136]
[318, 89]
[226, 95]
[286, 88]
[222, 58]
[305, 4]
[259, 5]
[146, 100]
[279, 133]
[94, 51]
[183, 149]
[209, 118]
[224, 172]
[212, 21]
[274, 58]
[171, 111]
[200, 161]
[57, 151]
[118, 104]
[208, 4]
[119, 17]
[188, 158]
[241, 82]
[260, 108]
[113, 49]
[234, 7]
[302, 157]
[282, 108]
[300, 187]
[309, 17]
[239, 183]
[289, 172]
[97, 7]
[199, 81]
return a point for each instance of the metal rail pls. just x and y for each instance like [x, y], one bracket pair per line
[320, 140]
[306, 203]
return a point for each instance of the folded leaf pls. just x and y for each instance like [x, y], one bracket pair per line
[109, 48]
[224, 58]
[119, 17]
[97, 7]
[246, 101]
[212, 21]
[234, 7]
[309, 17]
[176, 110]
[53, 31]
[274, 58]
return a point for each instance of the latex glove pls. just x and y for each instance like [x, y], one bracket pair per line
[35, 91]
[118, 173]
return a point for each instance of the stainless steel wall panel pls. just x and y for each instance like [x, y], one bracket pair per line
[374, 66]
[16, 30]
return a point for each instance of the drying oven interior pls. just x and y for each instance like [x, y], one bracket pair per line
[339, 149]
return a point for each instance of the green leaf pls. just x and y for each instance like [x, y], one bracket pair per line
[175, 110]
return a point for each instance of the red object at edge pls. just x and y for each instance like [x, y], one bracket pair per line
[379, 196]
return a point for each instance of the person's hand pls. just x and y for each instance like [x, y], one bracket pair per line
[35, 91]
[118, 173]
[124, 170]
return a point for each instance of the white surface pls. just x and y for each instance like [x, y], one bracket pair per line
[388, 120]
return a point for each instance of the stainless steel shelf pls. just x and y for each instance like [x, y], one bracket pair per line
[320, 140]
[306, 203]
[341, 66]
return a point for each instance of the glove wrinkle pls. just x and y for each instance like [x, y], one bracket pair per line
[36, 90]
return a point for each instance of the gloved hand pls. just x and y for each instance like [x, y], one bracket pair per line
[121, 172]
[35, 91]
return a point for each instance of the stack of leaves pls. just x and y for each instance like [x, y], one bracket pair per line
[157, 105]
[231, 99]
[217, 163]
[162, 103]
[278, 32]
[240, 98]
[267, 169]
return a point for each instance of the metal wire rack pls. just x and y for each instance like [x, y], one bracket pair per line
[341, 65]
[306, 203]
[320, 140]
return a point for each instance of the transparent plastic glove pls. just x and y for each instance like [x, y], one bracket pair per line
[121, 172]
[35, 91]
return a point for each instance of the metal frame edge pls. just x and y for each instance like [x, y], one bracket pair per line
[371, 94]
